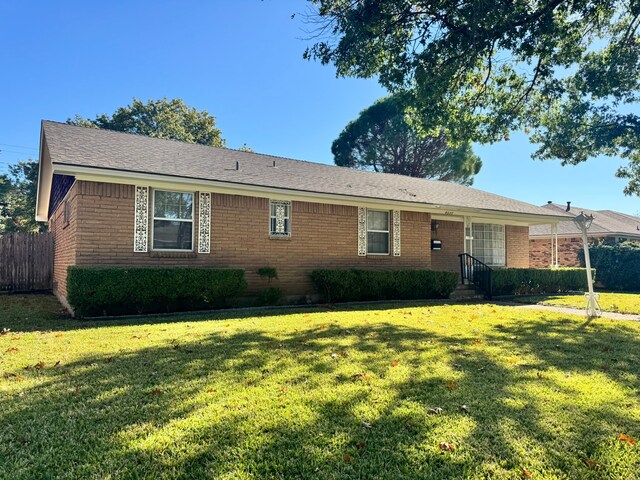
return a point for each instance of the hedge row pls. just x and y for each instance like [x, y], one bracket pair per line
[361, 285]
[121, 291]
[518, 281]
[618, 265]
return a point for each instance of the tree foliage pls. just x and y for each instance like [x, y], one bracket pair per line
[18, 190]
[567, 69]
[163, 118]
[381, 139]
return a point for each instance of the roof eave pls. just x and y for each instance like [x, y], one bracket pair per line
[153, 179]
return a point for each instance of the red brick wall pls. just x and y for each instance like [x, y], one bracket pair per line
[568, 248]
[451, 234]
[517, 245]
[64, 238]
[322, 236]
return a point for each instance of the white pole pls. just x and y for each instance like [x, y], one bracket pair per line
[593, 308]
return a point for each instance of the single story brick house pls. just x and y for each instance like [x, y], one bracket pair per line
[559, 245]
[120, 199]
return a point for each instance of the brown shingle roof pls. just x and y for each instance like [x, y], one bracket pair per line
[90, 147]
[605, 222]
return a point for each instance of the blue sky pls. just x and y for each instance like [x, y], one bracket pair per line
[242, 61]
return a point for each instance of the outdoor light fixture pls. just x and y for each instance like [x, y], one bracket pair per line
[584, 222]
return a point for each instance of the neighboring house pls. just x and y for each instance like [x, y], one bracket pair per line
[118, 199]
[547, 249]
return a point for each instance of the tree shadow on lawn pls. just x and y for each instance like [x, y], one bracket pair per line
[327, 402]
[43, 312]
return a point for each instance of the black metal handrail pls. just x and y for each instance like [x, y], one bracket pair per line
[476, 273]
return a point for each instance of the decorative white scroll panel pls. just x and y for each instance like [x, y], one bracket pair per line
[281, 212]
[362, 232]
[204, 222]
[396, 233]
[141, 220]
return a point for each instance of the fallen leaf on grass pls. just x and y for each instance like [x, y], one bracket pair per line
[156, 391]
[628, 439]
[592, 464]
[347, 458]
[109, 359]
[40, 365]
[11, 350]
[526, 473]
[136, 336]
[452, 385]
[447, 447]
[360, 445]
[14, 376]
[56, 364]
[342, 354]
[211, 390]
[395, 363]
[435, 411]
[361, 376]
[58, 335]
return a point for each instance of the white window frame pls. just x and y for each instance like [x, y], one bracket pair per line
[475, 241]
[154, 218]
[387, 231]
[273, 234]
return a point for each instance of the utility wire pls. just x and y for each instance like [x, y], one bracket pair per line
[13, 151]
[19, 146]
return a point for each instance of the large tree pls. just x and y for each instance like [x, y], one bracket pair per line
[380, 139]
[163, 118]
[18, 193]
[567, 69]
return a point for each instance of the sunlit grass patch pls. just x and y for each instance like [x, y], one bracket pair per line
[398, 391]
[609, 302]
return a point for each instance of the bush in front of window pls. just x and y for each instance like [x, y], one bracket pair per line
[364, 285]
[618, 265]
[122, 291]
[526, 281]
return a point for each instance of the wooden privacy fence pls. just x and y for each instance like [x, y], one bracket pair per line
[26, 261]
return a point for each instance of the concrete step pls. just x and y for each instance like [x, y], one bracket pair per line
[466, 292]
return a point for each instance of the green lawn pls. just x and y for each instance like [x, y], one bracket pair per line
[319, 393]
[609, 302]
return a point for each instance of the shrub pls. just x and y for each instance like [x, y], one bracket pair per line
[119, 291]
[360, 285]
[517, 281]
[618, 265]
[269, 296]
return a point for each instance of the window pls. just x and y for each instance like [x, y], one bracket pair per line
[172, 220]
[488, 243]
[279, 218]
[377, 232]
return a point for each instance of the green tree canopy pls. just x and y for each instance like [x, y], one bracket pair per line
[163, 118]
[380, 139]
[18, 191]
[567, 69]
